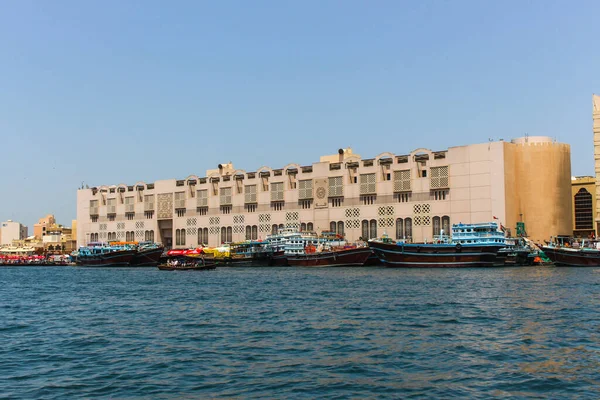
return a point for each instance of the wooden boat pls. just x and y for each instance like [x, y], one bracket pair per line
[356, 256]
[472, 245]
[563, 250]
[100, 255]
[187, 267]
[147, 254]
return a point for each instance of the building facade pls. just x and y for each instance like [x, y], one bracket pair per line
[39, 229]
[412, 196]
[10, 231]
[583, 189]
[596, 131]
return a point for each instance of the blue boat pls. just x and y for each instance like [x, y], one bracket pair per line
[470, 245]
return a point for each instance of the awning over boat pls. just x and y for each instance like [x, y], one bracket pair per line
[184, 252]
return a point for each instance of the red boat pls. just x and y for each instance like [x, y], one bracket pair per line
[356, 256]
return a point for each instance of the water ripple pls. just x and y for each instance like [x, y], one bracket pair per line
[299, 333]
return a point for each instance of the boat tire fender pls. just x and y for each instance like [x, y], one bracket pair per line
[458, 247]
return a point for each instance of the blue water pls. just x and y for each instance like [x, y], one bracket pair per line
[300, 333]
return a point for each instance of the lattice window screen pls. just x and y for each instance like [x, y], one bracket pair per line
[402, 180]
[368, 184]
[149, 202]
[336, 186]
[250, 194]
[439, 177]
[202, 198]
[421, 214]
[305, 189]
[277, 191]
[225, 194]
[180, 200]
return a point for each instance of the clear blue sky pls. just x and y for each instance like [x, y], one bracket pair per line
[106, 92]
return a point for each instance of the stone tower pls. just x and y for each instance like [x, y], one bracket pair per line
[596, 118]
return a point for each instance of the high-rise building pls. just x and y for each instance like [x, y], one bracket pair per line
[596, 130]
[410, 195]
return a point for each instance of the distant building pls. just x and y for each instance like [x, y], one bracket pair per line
[10, 231]
[39, 229]
[584, 204]
[411, 195]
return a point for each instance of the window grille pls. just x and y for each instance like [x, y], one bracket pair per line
[336, 186]
[438, 177]
[402, 181]
[305, 189]
[277, 191]
[202, 198]
[368, 184]
[250, 194]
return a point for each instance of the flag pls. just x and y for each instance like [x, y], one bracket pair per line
[502, 228]
[495, 217]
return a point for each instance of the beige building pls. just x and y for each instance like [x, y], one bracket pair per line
[10, 231]
[584, 204]
[410, 196]
[596, 130]
[39, 229]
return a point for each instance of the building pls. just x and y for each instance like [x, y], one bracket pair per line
[596, 130]
[412, 195]
[39, 229]
[584, 204]
[10, 231]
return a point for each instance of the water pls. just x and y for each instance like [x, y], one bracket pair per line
[299, 333]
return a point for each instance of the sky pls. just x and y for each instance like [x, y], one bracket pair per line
[109, 92]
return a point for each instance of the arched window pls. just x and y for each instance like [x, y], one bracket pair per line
[254, 232]
[365, 229]
[229, 234]
[436, 226]
[302, 227]
[183, 237]
[177, 237]
[399, 228]
[205, 241]
[274, 229]
[373, 225]
[309, 227]
[408, 228]
[332, 226]
[248, 232]
[340, 228]
[446, 224]
[223, 234]
[200, 242]
[281, 226]
[584, 216]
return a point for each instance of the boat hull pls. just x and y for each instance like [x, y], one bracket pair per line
[120, 258]
[514, 257]
[573, 257]
[343, 258]
[205, 267]
[435, 255]
[150, 257]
